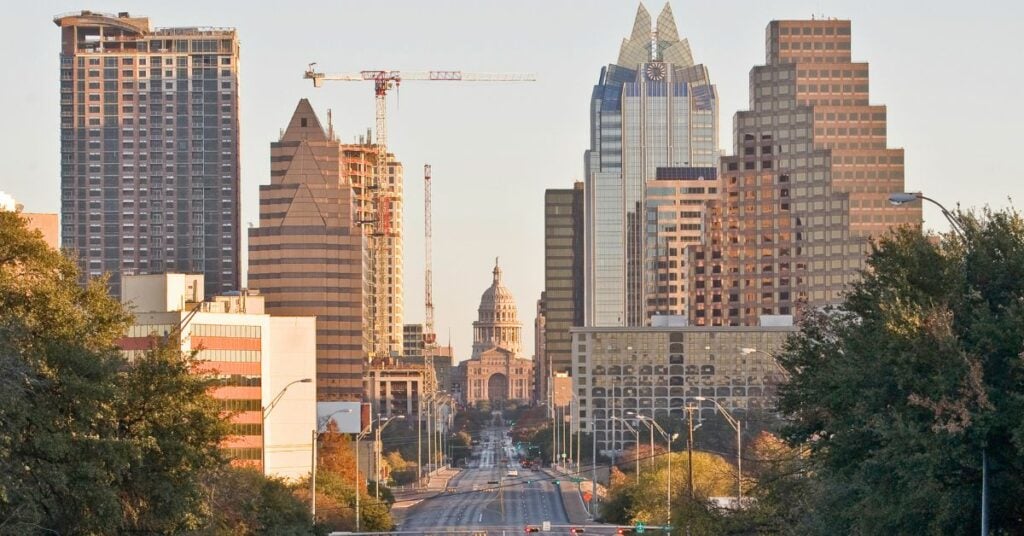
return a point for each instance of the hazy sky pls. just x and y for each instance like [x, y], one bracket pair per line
[950, 72]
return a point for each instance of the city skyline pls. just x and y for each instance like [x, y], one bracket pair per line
[465, 188]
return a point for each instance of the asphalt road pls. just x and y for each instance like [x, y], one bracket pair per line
[475, 503]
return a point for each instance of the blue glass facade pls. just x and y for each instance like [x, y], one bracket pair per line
[652, 109]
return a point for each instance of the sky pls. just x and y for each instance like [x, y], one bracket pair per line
[949, 72]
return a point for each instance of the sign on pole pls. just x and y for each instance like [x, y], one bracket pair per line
[545, 526]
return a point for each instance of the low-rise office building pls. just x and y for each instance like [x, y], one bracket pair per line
[256, 357]
[659, 371]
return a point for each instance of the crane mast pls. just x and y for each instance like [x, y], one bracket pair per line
[429, 336]
[377, 217]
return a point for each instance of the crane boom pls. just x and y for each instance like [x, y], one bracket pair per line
[397, 76]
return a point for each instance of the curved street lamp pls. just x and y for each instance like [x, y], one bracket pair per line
[902, 198]
[265, 412]
[957, 225]
[653, 425]
[735, 423]
[636, 457]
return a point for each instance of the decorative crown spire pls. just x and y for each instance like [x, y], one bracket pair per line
[497, 272]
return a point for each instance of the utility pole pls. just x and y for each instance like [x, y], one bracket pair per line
[689, 447]
[554, 435]
[312, 480]
[419, 441]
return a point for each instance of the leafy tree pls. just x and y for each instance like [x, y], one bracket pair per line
[336, 503]
[896, 393]
[630, 501]
[336, 454]
[91, 443]
[244, 502]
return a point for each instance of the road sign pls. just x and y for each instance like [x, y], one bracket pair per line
[640, 527]
[587, 496]
[545, 526]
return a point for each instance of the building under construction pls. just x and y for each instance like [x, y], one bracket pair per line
[383, 301]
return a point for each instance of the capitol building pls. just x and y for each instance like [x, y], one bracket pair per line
[496, 373]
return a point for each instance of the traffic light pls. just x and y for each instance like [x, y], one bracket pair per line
[556, 482]
[577, 530]
[531, 528]
[621, 531]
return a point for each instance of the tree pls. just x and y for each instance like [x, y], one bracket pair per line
[90, 442]
[244, 502]
[629, 502]
[336, 502]
[897, 392]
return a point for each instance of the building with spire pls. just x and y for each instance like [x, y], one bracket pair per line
[307, 255]
[654, 116]
[495, 373]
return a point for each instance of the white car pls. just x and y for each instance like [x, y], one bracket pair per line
[512, 472]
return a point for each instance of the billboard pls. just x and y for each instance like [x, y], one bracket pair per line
[347, 416]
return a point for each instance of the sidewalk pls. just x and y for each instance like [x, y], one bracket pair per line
[406, 498]
[572, 501]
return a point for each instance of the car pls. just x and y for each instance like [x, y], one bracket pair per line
[512, 472]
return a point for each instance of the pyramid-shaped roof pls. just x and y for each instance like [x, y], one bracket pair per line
[304, 125]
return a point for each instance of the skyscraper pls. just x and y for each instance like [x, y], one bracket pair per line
[652, 109]
[806, 187]
[149, 148]
[307, 255]
[562, 301]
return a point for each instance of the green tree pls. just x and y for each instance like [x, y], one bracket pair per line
[91, 443]
[630, 501]
[244, 502]
[336, 502]
[896, 393]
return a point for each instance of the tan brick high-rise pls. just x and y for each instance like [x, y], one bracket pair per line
[807, 185]
[149, 134]
[306, 256]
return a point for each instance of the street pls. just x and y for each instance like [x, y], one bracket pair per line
[476, 500]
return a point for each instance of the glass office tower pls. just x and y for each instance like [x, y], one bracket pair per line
[652, 109]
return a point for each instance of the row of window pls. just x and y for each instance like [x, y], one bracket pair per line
[250, 429]
[244, 404]
[239, 380]
[244, 453]
[223, 330]
[815, 30]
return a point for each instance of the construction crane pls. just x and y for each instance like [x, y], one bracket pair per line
[429, 336]
[378, 217]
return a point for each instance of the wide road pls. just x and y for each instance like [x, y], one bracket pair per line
[476, 503]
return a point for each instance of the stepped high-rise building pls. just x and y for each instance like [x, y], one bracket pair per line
[806, 187]
[307, 256]
[654, 114]
[149, 148]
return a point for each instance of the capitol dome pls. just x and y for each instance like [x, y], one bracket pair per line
[497, 322]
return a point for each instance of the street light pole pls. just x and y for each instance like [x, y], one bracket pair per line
[735, 423]
[652, 424]
[636, 456]
[957, 225]
[359, 490]
[382, 423]
[265, 412]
